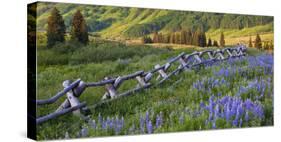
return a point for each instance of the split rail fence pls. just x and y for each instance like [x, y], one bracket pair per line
[74, 90]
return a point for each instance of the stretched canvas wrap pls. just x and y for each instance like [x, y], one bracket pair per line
[97, 71]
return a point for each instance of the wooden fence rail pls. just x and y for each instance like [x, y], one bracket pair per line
[183, 61]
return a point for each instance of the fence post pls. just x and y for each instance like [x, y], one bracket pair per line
[111, 91]
[196, 56]
[210, 55]
[141, 81]
[183, 63]
[77, 92]
[161, 72]
[71, 98]
[229, 53]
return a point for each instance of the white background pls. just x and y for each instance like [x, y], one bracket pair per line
[13, 66]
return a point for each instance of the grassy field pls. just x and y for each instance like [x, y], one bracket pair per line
[232, 37]
[231, 94]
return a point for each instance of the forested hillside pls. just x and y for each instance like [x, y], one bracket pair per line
[111, 21]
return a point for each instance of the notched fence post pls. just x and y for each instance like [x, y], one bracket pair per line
[183, 63]
[160, 71]
[77, 91]
[111, 90]
[73, 100]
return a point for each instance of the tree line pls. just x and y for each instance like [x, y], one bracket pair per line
[259, 44]
[56, 28]
[187, 37]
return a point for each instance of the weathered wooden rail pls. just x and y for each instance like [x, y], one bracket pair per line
[74, 90]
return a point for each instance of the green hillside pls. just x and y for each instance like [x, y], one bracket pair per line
[114, 22]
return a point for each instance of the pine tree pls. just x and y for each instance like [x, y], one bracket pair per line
[258, 42]
[178, 38]
[56, 28]
[172, 38]
[203, 39]
[155, 38]
[183, 37]
[250, 42]
[210, 43]
[79, 30]
[160, 38]
[188, 37]
[222, 41]
[266, 45]
[167, 38]
[271, 46]
[195, 38]
[215, 44]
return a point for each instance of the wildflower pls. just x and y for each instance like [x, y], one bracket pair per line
[158, 121]
[149, 127]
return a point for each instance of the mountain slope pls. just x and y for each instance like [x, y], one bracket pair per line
[117, 22]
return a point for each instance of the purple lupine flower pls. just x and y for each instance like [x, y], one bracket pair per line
[240, 109]
[227, 112]
[235, 122]
[103, 124]
[147, 117]
[149, 127]
[248, 104]
[117, 126]
[158, 121]
[258, 110]
[202, 105]
[217, 111]
[108, 123]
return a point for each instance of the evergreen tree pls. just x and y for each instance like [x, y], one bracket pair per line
[210, 43]
[160, 38]
[183, 37]
[195, 39]
[271, 46]
[202, 39]
[215, 44]
[172, 38]
[266, 45]
[56, 28]
[155, 38]
[222, 41]
[167, 38]
[250, 42]
[178, 38]
[79, 30]
[258, 43]
[188, 37]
